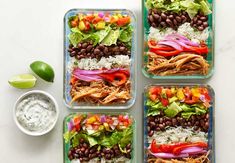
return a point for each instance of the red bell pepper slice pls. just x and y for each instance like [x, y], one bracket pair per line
[154, 148]
[179, 149]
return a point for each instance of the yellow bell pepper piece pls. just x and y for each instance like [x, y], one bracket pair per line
[180, 94]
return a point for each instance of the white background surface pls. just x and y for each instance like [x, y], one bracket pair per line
[33, 30]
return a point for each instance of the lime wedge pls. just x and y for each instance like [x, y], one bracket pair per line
[43, 70]
[22, 81]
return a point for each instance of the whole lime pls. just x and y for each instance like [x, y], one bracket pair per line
[43, 70]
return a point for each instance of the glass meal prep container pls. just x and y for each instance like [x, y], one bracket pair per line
[164, 26]
[179, 123]
[99, 137]
[107, 54]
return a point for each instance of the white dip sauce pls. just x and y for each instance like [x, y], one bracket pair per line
[36, 112]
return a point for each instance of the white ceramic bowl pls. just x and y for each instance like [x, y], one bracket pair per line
[35, 133]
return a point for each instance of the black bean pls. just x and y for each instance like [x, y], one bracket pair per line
[96, 51]
[178, 19]
[201, 28]
[156, 17]
[161, 126]
[175, 22]
[150, 134]
[83, 51]
[89, 47]
[199, 22]
[205, 24]
[151, 19]
[108, 156]
[171, 17]
[169, 22]
[154, 25]
[174, 121]
[154, 11]
[203, 18]
[163, 16]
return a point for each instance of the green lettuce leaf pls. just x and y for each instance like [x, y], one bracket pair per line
[75, 38]
[126, 34]
[110, 141]
[126, 137]
[187, 115]
[111, 38]
[68, 136]
[75, 141]
[205, 7]
[103, 33]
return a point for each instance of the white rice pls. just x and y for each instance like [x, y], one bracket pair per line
[178, 134]
[185, 30]
[94, 64]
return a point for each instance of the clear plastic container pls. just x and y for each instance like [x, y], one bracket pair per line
[211, 129]
[67, 59]
[65, 129]
[210, 43]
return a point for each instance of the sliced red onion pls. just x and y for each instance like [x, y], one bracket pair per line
[182, 39]
[170, 43]
[193, 150]
[169, 155]
[88, 78]
[70, 125]
[183, 44]
[202, 98]
[103, 118]
[94, 72]
[176, 35]
[126, 117]
[106, 19]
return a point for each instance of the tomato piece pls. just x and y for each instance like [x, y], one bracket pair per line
[120, 118]
[96, 20]
[89, 18]
[154, 148]
[74, 23]
[164, 101]
[155, 90]
[169, 94]
[88, 27]
[123, 21]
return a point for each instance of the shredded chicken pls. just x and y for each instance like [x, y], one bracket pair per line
[98, 92]
[184, 64]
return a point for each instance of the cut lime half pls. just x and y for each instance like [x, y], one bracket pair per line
[22, 81]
